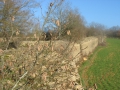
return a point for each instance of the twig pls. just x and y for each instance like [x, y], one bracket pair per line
[19, 80]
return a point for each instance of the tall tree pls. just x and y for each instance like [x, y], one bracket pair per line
[64, 20]
[75, 23]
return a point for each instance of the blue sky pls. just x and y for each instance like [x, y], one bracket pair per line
[106, 12]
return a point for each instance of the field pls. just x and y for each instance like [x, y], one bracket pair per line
[103, 67]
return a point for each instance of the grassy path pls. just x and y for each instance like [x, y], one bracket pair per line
[103, 67]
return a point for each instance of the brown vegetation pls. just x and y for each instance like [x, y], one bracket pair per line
[36, 66]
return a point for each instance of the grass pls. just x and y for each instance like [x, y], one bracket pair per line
[103, 67]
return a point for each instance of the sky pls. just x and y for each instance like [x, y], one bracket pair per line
[106, 12]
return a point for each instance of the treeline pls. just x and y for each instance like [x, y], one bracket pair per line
[113, 32]
[17, 19]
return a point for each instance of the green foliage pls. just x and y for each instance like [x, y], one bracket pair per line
[103, 67]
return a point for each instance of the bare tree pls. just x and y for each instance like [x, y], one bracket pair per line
[15, 15]
[64, 19]
[75, 24]
[113, 31]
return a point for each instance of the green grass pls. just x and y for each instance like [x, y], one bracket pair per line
[103, 67]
